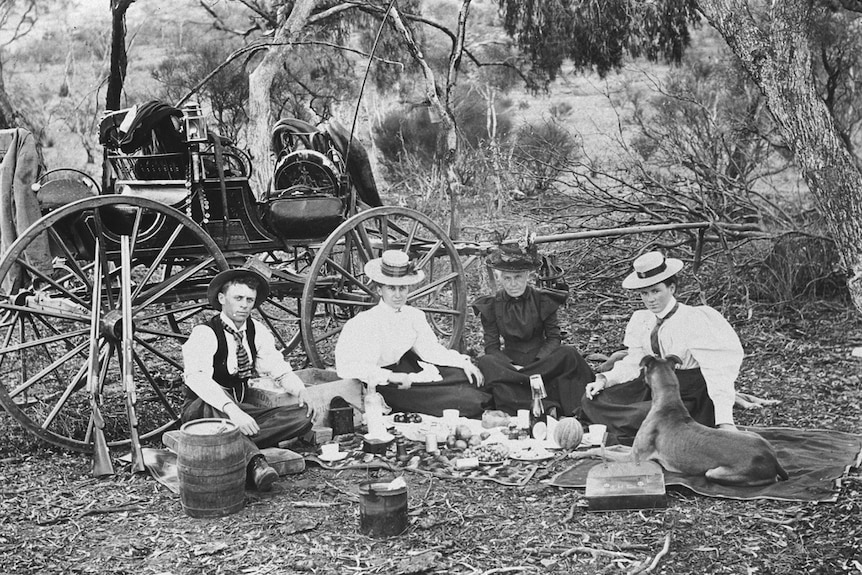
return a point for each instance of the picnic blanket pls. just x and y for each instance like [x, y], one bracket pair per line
[816, 459]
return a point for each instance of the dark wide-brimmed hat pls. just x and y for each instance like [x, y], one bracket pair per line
[393, 268]
[651, 268]
[514, 258]
[222, 278]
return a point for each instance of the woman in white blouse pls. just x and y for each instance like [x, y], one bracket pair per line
[699, 335]
[392, 348]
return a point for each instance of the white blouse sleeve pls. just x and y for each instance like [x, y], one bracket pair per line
[429, 348]
[357, 352]
[715, 346]
[636, 336]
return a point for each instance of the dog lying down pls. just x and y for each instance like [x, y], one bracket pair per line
[670, 437]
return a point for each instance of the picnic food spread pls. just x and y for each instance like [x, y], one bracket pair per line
[492, 448]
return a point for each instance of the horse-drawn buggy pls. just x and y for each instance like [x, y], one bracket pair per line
[99, 293]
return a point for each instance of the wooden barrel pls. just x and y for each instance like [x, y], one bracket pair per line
[211, 468]
[382, 511]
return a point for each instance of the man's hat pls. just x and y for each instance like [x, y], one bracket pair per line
[514, 258]
[222, 278]
[651, 268]
[393, 268]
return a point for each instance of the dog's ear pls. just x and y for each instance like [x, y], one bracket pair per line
[674, 360]
[647, 361]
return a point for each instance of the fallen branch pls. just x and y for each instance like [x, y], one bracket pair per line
[596, 552]
[652, 565]
[571, 514]
[508, 569]
[313, 504]
[93, 511]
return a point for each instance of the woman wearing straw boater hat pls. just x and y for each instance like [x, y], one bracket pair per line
[699, 335]
[219, 358]
[525, 319]
[392, 348]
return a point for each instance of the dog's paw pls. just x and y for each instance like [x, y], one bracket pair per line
[748, 401]
[583, 454]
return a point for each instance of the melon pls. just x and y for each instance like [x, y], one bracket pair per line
[568, 433]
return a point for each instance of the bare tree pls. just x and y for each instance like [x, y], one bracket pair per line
[260, 82]
[119, 59]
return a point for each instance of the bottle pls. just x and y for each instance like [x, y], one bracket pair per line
[537, 410]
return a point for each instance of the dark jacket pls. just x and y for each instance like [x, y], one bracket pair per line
[527, 324]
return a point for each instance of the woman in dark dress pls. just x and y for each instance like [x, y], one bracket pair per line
[525, 319]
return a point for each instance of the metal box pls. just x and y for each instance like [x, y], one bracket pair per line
[625, 485]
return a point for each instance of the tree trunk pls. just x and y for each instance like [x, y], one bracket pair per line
[119, 62]
[441, 111]
[776, 52]
[259, 88]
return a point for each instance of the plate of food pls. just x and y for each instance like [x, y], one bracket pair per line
[488, 453]
[531, 453]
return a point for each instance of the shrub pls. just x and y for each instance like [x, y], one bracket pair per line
[410, 131]
[541, 152]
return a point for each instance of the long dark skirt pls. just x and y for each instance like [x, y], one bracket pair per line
[565, 373]
[276, 423]
[454, 392]
[624, 407]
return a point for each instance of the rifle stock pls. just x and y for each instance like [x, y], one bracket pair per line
[128, 372]
[102, 465]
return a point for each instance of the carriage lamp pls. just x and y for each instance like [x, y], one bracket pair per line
[194, 123]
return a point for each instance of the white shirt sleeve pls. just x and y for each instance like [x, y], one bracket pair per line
[270, 362]
[357, 351]
[198, 352]
[428, 347]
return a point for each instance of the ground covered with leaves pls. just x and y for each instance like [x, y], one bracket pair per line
[58, 519]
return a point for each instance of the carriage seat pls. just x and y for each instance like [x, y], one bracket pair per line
[305, 199]
[304, 215]
[57, 193]
[172, 194]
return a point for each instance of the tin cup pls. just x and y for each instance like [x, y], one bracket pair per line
[450, 417]
[329, 450]
[597, 432]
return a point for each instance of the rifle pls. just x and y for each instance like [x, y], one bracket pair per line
[128, 375]
[102, 465]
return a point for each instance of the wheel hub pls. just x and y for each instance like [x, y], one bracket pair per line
[111, 326]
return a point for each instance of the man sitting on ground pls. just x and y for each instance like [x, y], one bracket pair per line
[221, 356]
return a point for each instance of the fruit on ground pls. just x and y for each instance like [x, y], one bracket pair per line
[463, 432]
[568, 433]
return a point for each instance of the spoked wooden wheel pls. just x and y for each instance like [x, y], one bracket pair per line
[281, 310]
[337, 288]
[47, 303]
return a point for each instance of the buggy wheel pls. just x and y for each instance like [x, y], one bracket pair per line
[280, 311]
[47, 302]
[337, 288]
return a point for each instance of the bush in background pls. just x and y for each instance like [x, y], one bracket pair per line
[409, 130]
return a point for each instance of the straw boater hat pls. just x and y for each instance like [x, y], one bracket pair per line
[393, 268]
[223, 277]
[650, 269]
[514, 258]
